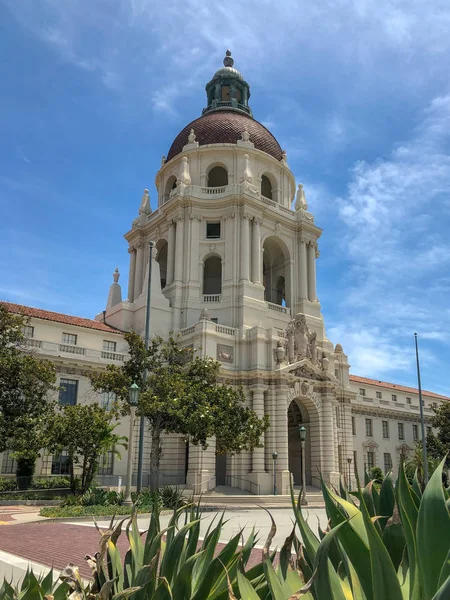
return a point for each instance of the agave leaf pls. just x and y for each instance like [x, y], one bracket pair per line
[345, 582]
[275, 585]
[433, 517]
[126, 594]
[170, 562]
[445, 572]
[404, 576]
[387, 499]
[116, 566]
[136, 546]
[343, 488]
[182, 585]
[285, 553]
[163, 591]
[309, 539]
[367, 496]
[202, 564]
[352, 576]
[385, 583]
[248, 547]
[272, 532]
[394, 538]
[152, 532]
[416, 485]
[327, 584]
[443, 592]
[246, 589]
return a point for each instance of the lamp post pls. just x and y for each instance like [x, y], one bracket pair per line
[302, 431]
[144, 378]
[349, 483]
[274, 456]
[133, 397]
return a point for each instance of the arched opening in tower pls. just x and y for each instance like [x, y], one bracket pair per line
[212, 276]
[217, 177]
[171, 184]
[266, 187]
[161, 248]
[298, 415]
[276, 272]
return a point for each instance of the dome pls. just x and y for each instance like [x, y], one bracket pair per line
[227, 72]
[226, 127]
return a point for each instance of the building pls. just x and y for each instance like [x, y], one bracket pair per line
[234, 273]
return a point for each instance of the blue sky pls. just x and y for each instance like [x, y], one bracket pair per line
[356, 91]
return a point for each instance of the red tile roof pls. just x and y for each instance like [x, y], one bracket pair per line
[226, 127]
[399, 388]
[48, 315]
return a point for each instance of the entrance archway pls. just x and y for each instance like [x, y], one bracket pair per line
[297, 416]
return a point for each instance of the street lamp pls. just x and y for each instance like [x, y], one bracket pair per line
[274, 456]
[349, 460]
[302, 431]
[133, 398]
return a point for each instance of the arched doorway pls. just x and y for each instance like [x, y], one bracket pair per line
[297, 416]
[276, 271]
[212, 275]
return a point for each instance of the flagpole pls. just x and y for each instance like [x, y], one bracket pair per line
[422, 419]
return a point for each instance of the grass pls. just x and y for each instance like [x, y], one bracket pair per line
[96, 510]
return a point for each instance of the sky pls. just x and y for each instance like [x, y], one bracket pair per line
[356, 91]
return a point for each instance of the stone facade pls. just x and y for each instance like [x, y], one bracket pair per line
[234, 274]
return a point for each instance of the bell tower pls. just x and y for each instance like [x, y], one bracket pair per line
[234, 274]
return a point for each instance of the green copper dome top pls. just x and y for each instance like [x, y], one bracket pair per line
[228, 89]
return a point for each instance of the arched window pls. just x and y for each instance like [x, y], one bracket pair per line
[276, 272]
[212, 275]
[161, 248]
[266, 187]
[171, 184]
[217, 177]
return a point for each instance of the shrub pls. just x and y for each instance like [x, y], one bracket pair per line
[7, 484]
[66, 512]
[49, 483]
[376, 474]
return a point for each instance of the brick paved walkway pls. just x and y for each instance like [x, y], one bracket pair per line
[57, 544]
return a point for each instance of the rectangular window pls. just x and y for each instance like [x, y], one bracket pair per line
[107, 400]
[212, 231]
[370, 460]
[353, 426]
[8, 464]
[68, 392]
[369, 431]
[416, 433]
[408, 400]
[394, 397]
[401, 431]
[355, 463]
[362, 392]
[109, 346]
[106, 463]
[387, 462]
[429, 430]
[69, 338]
[379, 395]
[28, 331]
[60, 464]
[385, 425]
[215, 320]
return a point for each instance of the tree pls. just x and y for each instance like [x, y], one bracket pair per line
[26, 402]
[182, 394]
[86, 433]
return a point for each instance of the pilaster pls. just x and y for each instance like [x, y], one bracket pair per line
[132, 273]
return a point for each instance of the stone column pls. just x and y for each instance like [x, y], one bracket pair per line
[132, 273]
[258, 407]
[328, 435]
[139, 270]
[256, 251]
[312, 272]
[179, 250]
[302, 271]
[281, 441]
[245, 248]
[170, 253]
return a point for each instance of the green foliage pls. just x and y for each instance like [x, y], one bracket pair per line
[26, 403]
[376, 474]
[182, 394]
[66, 512]
[86, 433]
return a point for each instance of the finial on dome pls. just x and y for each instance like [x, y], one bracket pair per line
[191, 137]
[228, 61]
[116, 275]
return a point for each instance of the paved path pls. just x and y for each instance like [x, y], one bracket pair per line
[57, 544]
[13, 515]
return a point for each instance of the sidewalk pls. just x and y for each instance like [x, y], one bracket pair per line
[14, 515]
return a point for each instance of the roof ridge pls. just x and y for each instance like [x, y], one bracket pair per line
[397, 386]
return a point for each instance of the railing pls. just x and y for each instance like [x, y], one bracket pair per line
[282, 309]
[286, 210]
[198, 488]
[269, 201]
[113, 355]
[213, 190]
[226, 330]
[187, 330]
[33, 343]
[231, 479]
[71, 349]
[212, 297]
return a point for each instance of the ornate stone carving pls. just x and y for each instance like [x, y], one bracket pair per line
[302, 342]
[131, 249]
[280, 351]
[283, 157]
[204, 315]
[163, 160]
[245, 137]
[300, 203]
[191, 137]
[116, 275]
[212, 247]
[225, 353]
[145, 208]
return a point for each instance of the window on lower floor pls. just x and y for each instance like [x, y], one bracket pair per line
[369, 429]
[213, 231]
[60, 463]
[370, 460]
[106, 463]
[353, 426]
[107, 400]
[387, 462]
[68, 392]
[9, 464]
[416, 433]
[385, 425]
[401, 431]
